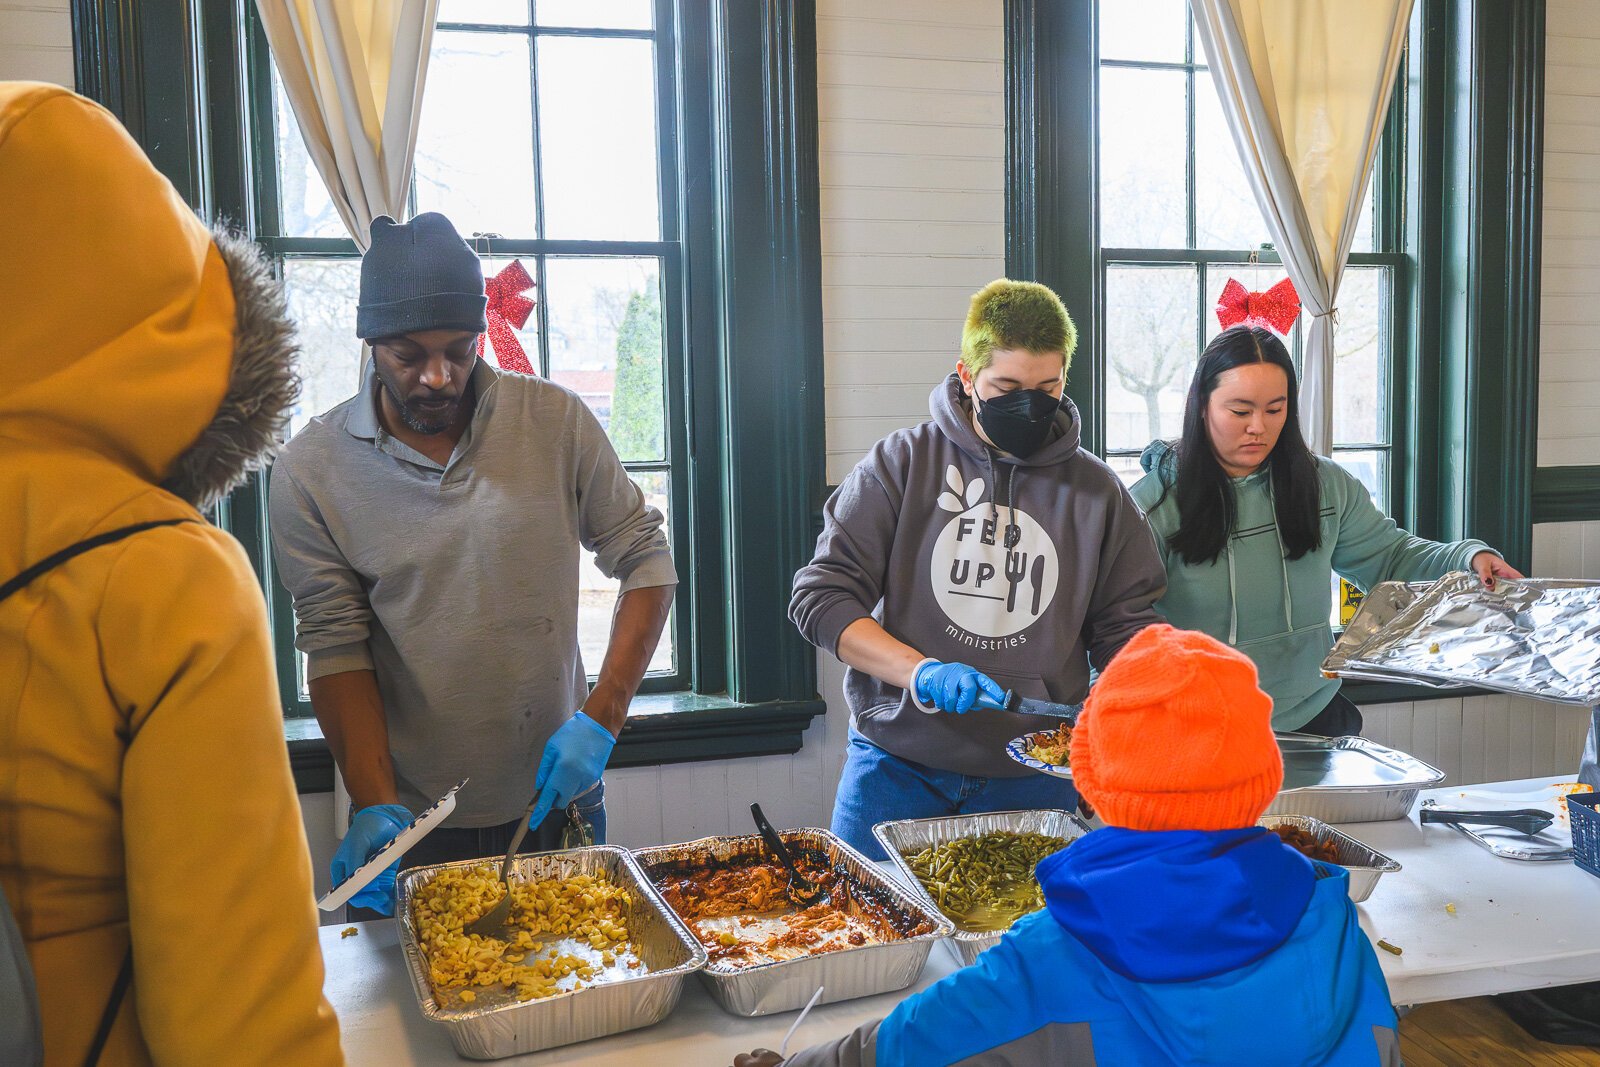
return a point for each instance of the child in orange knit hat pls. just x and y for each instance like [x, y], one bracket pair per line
[1182, 932]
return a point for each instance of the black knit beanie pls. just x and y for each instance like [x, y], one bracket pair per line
[419, 275]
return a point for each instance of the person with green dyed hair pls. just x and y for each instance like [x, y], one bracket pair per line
[979, 553]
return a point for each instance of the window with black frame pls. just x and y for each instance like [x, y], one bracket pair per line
[548, 134]
[1178, 219]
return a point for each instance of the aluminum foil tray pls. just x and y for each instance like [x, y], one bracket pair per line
[1348, 779]
[1536, 637]
[786, 985]
[1365, 864]
[909, 836]
[1378, 608]
[621, 1000]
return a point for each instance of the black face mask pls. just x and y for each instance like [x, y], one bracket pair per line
[1019, 422]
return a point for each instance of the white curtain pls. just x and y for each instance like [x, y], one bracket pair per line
[353, 71]
[1305, 86]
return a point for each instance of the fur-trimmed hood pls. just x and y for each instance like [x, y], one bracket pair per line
[250, 424]
[133, 334]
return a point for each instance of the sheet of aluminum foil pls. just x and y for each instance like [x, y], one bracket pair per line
[1535, 637]
[619, 999]
[785, 985]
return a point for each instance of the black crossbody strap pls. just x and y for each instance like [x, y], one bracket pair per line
[119, 988]
[57, 559]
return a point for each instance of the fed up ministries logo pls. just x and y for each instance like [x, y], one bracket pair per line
[990, 582]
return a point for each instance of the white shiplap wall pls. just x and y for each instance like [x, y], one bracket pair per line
[1569, 348]
[1569, 320]
[911, 130]
[36, 41]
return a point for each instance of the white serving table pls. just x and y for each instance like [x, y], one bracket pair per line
[1517, 925]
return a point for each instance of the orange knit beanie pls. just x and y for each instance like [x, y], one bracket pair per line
[1177, 735]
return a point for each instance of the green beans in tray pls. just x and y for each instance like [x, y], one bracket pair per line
[985, 883]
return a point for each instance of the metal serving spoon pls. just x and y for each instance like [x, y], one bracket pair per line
[492, 922]
[575, 834]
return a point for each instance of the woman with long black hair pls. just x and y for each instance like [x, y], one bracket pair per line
[1252, 525]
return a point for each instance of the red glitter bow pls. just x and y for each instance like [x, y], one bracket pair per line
[508, 308]
[1277, 308]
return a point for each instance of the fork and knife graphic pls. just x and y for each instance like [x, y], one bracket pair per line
[1017, 569]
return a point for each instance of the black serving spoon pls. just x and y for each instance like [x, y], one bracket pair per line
[801, 889]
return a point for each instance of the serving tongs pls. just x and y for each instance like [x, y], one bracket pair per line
[802, 890]
[1530, 821]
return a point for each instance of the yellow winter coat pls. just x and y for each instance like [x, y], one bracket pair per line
[144, 784]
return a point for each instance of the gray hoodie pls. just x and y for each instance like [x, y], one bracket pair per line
[915, 538]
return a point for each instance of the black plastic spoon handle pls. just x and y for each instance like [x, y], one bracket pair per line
[770, 836]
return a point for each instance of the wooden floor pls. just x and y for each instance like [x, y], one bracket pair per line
[1467, 1033]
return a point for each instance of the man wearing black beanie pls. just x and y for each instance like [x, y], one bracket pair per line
[429, 531]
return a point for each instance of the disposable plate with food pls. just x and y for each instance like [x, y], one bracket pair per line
[1045, 751]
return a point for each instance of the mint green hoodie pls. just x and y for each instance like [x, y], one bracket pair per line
[1273, 609]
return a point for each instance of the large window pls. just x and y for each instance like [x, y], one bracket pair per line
[548, 136]
[1177, 220]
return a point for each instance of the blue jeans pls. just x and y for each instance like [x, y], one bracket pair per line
[877, 786]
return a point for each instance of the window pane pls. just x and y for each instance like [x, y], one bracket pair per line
[597, 594]
[1143, 159]
[528, 334]
[597, 139]
[1150, 355]
[606, 345]
[1363, 240]
[1143, 29]
[1372, 469]
[596, 14]
[322, 301]
[1226, 213]
[1360, 371]
[474, 148]
[304, 207]
[1127, 468]
[1257, 278]
[499, 12]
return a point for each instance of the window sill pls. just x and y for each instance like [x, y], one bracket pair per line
[662, 728]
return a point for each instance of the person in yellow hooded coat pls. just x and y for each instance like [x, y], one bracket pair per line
[145, 792]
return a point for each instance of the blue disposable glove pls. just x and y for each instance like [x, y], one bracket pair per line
[954, 687]
[574, 759]
[370, 830]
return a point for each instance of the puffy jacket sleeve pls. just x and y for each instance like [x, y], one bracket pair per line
[1372, 548]
[845, 579]
[227, 968]
[858, 1048]
[1130, 579]
[994, 1011]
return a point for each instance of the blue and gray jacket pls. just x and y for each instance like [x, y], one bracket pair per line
[1175, 947]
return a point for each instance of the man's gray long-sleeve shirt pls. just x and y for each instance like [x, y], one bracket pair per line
[458, 584]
